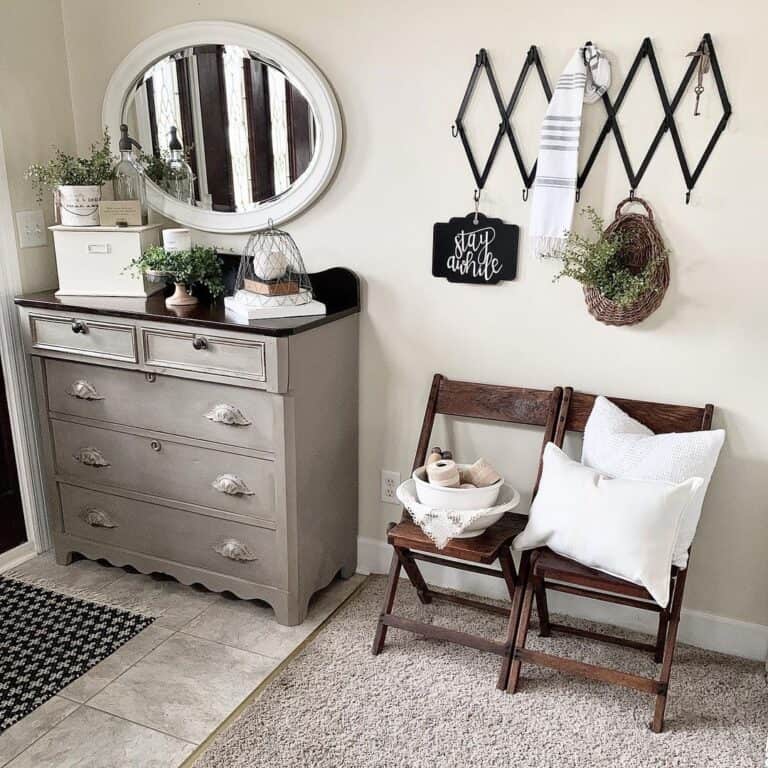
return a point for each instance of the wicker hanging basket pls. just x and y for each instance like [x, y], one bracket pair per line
[643, 244]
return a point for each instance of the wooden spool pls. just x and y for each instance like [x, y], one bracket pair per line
[642, 244]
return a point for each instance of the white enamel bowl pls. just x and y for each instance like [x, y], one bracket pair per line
[454, 498]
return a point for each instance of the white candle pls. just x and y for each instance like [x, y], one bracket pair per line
[177, 240]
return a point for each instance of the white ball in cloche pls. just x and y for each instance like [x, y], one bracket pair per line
[269, 264]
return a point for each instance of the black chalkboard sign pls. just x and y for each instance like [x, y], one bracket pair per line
[482, 253]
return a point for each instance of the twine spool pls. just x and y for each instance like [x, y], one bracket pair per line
[481, 474]
[642, 245]
[444, 473]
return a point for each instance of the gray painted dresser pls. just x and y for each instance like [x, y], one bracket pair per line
[217, 452]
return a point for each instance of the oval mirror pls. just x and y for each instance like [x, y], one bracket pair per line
[238, 128]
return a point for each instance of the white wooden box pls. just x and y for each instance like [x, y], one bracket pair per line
[91, 260]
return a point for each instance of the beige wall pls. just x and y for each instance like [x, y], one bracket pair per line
[399, 69]
[35, 113]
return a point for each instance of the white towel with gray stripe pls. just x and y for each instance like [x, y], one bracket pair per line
[585, 79]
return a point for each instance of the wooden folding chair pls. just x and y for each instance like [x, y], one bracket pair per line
[533, 407]
[554, 572]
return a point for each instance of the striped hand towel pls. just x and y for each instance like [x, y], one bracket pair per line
[585, 79]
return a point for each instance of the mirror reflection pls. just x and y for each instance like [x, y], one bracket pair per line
[221, 128]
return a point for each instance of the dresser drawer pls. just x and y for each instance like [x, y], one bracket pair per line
[217, 355]
[221, 546]
[198, 409]
[81, 336]
[166, 468]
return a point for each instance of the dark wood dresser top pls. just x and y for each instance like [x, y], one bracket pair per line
[338, 288]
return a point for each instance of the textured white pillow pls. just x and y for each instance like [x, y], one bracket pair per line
[626, 528]
[615, 444]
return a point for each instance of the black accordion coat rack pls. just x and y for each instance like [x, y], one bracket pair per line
[702, 59]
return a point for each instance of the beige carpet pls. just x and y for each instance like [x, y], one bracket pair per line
[423, 704]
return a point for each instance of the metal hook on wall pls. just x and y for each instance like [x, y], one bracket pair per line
[476, 198]
[525, 195]
[454, 130]
[632, 194]
[578, 195]
[688, 197]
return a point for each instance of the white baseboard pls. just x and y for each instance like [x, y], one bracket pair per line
[698, 628]
[16, 556]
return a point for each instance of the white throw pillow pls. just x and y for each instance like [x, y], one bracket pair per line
[615, 444]
[626, 528]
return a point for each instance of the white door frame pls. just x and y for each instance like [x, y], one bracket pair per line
[18, 378]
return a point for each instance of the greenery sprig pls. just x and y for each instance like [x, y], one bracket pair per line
[69, 170]
[156, 166]
[199, 265]
[598, 263]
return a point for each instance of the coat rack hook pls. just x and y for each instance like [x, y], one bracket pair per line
[454, 130]
[525, 195]
[476, 198]
[632, 193]
[578, 195]
[688, 197]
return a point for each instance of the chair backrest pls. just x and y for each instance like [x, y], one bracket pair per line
[575, 408]
[489, 402]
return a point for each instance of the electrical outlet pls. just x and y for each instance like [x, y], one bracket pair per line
[389, 482]
[31, 226]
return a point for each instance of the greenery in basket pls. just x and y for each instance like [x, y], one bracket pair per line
[598, 263]
[69, 170]
[199, 265]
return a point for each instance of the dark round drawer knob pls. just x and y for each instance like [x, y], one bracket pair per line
[78, 326]
[199, 343]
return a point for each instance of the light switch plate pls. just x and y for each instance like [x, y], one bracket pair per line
[32, 231]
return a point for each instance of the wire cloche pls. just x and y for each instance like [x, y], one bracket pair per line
[272, 272]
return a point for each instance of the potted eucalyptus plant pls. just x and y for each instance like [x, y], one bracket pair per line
[199, 265]
[76, 182]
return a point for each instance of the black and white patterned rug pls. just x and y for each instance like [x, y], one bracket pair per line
[47, 640]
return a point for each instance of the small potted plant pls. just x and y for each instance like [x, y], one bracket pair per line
[76, 182]
[198, 265]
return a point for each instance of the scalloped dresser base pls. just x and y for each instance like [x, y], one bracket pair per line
[289, 609]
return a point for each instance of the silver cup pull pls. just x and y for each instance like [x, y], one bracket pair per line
[97, 518]
[233, 549]
[232, 485]
[223, 413]
[83, 390]
[91, 457]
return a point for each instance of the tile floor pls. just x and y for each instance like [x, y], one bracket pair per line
[160, 695]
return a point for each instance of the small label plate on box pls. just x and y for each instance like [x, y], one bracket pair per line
[115, 213]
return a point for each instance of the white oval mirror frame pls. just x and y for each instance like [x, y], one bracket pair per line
[294, 64]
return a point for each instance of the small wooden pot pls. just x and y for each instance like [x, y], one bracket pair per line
[181, 297]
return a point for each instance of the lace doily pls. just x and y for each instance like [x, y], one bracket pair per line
[444, 524]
